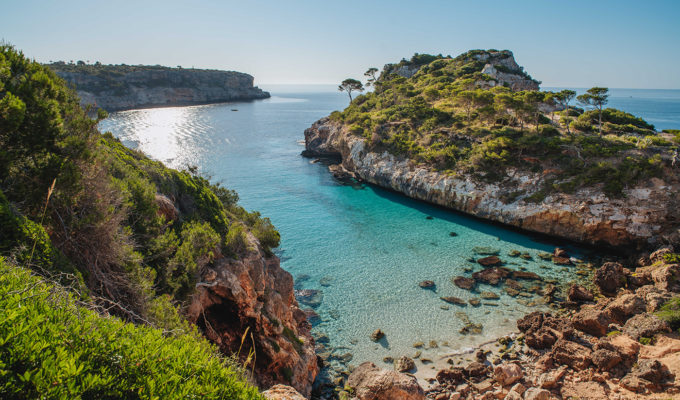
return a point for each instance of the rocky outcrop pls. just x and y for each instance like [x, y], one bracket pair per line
[647, 214]
[119, 87]
[255, 294]
[372, 383]
[282, 392]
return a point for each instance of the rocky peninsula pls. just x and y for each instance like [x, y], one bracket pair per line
[456, 132]
[124, 87]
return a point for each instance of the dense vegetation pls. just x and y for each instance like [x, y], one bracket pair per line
[53, 347]
[135, 235]
[454, 118]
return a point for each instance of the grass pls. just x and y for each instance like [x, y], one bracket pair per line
[53, 346]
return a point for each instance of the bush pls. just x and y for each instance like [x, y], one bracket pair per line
[52, 348]
[236, 240]
[670, 312]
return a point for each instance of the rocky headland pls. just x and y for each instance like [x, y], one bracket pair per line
[467, 144]
[646, 215]
[123, 87]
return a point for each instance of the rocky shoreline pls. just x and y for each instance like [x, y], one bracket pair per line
[646, 216]
[604, 343]
[119, 87]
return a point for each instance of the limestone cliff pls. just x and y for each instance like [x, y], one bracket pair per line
[255, 293]
[646, 215]
[122, 87]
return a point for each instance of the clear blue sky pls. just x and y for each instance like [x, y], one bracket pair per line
[629, 44]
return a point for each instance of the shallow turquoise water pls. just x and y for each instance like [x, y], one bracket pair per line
[370, 247]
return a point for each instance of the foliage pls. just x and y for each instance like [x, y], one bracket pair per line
[350, 85]
[138, 233]
[52, 346]
[449, 117]
[670, 312]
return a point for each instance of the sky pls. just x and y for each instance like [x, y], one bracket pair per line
[617, 44]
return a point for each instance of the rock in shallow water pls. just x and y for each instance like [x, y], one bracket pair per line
[463, 282]
[454, 300]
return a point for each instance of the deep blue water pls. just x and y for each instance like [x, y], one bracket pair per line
[365, 248]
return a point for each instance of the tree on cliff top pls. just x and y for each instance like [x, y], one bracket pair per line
[349, 85]
[563, 98]
[595, 97]
[370, 74]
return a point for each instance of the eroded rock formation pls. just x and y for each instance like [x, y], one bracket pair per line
[256, 294]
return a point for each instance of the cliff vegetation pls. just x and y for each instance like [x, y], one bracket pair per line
[80, 209]
[480, 113]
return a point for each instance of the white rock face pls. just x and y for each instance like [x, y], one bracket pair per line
[644, 216]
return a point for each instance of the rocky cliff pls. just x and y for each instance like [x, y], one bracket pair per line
[254, 295]
[121, 87]
[647, 213]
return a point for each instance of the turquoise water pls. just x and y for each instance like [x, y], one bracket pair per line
[364, 248]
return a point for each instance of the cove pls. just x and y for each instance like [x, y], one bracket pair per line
[361, 248]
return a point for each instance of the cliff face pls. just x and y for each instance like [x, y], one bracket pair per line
[115, 88]
[255, 293]
[647, 214]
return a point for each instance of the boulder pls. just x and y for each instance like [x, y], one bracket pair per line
[658, 255]
[490, 261]
[622, 345]
[579, 294]
[507, 373]
[645, 325]
[609, 278]
[476, 370]
[550, 379]
[282, 392]
[372, 383]
[592, 320]
[463, 282]
[558, 252]
[605, 359]
[651, 370]
[427, 284]
[492, 276]
[377, 335]
[452, 376]
[404, 364]
[534, 393]
[572, 354]
[667, 277]
[626, 306]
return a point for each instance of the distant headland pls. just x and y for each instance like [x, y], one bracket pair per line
[124, 87]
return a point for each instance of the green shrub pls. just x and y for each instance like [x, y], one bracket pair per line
[236, 240]
[672, 258]
[670, 312]
[52, 348]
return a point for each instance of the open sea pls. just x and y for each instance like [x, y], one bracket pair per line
[363, 248]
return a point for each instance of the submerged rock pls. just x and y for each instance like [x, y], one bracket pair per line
[427, 284]
[490, 261]
[489, 296]
[454, 300]
[309, 297]
[463, 282]
[377, 335]
[492, 276]
[486, 251]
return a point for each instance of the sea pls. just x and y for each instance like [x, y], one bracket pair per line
[362, 249]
